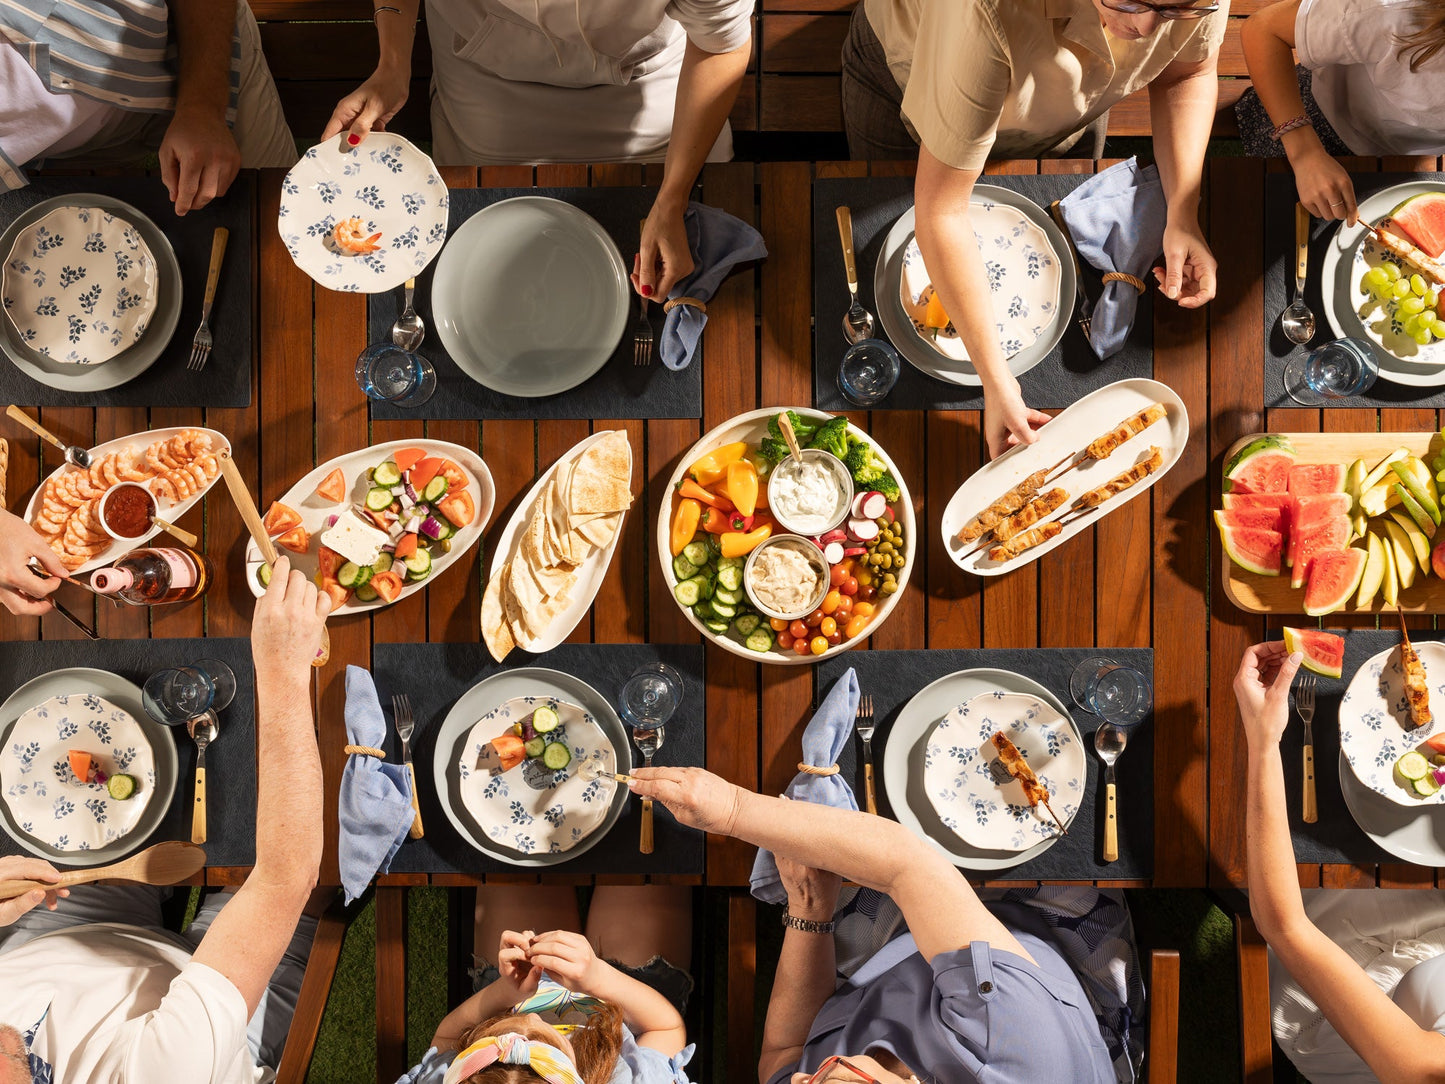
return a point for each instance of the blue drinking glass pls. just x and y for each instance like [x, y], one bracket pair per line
[1333, 371]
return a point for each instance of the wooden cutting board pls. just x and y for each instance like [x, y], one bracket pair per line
[1273, 594]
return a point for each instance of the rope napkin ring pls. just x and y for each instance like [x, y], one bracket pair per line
[1120, 276]
[810, 769]
[368, 750]
[695, 302]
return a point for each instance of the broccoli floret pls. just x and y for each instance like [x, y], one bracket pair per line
[803, 429]
[832, 437]
[887, 485]
[862, 464]
[774, 449]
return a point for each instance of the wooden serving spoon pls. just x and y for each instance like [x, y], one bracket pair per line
[786, 425]
[163, 864]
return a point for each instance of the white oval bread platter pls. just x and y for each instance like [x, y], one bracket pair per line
[1067, 435]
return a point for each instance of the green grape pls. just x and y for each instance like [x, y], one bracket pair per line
[1376, 275]
[1401, 288]
[1417, 284]
[1412, 305]
[1422, 337]
[1432, 297]
[1410, 324]
[1392, 271]
[1381, 291]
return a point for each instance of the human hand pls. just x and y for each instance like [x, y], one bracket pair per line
[513, 963]
[664, 257]
[696, 797]
[1261, 687]
[1008, 420]
[370, 106]
[812, 893]
[1188, 274]
[15, 868]
[22, 591]
[199, 158]
[568, 958]
[287, 625]
[1324, 187]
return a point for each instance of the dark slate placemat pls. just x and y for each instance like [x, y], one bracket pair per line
[619, 389]
[230, 759]
[893, 677]
[226, 379]
[1279, 201]
[1069, 372]
[1335, 837]
[435, 676]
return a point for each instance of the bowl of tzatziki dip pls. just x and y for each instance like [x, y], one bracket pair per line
[810, 494]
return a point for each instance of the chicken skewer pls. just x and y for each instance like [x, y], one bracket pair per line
[1417, 692]
[1106, 445]
[1040, 508]
[1407, 253]
[1007, 504]
[1010, 757]
[1088, 503]
[1007, 551]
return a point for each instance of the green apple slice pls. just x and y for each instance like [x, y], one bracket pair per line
[1374, 573]
[1404, 554]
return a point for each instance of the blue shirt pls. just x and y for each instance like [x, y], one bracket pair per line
[637, 1065]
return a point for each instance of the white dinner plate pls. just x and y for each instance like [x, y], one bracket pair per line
[393, 188]
[485, 696]
[125, 696]
[589, 573]
[1373, 733]
[1043, 336]
[531, 296]
[1414, 835]
[314, 510]
[1067, 434]
[167, 509]
[963, 778]
[907, 744]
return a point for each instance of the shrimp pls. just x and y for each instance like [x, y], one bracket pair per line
[351, 236]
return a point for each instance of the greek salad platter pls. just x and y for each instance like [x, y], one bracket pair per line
[375, 525]
[783, 559]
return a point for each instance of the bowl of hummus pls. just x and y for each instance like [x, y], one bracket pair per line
[786, 577]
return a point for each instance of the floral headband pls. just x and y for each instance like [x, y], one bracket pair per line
[549, 1063]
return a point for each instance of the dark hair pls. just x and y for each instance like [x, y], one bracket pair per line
[1428, 38]
[597, 1046]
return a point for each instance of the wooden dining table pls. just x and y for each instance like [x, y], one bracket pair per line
[1147, 575]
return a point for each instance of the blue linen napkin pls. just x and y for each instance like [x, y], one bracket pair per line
[1116, 219]
[824, 740]
[374, 809]
[719, 242]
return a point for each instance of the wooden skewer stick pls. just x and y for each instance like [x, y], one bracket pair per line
[1060, 823]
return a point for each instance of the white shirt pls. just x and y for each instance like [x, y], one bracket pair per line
[117, 1003]
[1362, 84]
[35, 122]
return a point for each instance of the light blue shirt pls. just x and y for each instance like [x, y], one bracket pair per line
[637, 1065]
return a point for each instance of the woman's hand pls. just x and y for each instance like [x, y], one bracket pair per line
[1008, 420]
[370, 106]
[568, 958]
[14, 868]
[1323, 185]
[812, 893]
[1189, 271]
[1262, 689]
[697, 798]
[664, 258]
[21, 590]
[513, 964]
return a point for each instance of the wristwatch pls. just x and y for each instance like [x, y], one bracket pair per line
[807, 925]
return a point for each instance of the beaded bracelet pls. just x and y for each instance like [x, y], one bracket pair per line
[1289, 126]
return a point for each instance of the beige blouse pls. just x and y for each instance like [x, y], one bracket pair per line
[1014, 78]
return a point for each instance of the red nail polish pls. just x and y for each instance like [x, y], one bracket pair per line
[646, 291]
[353, 139]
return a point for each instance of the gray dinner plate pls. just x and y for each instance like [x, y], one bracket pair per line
[128, 364]
[531, 296]
[1416, 834]
[903, 761]
[482, 698]
[126, 696]
[889, 271]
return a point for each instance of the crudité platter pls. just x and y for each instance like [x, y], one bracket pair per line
[1321, 523]
[718, 515]
[437, 498]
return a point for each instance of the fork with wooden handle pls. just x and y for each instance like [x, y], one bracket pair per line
[163, 864]
[1304, 704]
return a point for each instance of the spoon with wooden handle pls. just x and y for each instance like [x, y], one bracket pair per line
[163, 864]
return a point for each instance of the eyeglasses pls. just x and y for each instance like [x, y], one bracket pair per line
[1164, 11]
[822, 1075]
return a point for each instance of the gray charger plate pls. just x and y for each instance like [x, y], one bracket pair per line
[128, 364]
[125, 695]
[482, 698]
[903, 761]
[1415, 835]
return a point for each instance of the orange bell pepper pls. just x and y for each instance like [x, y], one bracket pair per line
[713, 467]
[689, 488]
[737, 544]
[716, 521]
[742, 486]
[684, 523]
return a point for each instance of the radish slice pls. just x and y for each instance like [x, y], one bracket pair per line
[854, 551]
[837, 534]
[874, 504]
[888, 512]
[864, 530]
[833, 552]
[858, 500]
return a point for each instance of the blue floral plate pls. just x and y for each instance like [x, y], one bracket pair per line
[1373, 722]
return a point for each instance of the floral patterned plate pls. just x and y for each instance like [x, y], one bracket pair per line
[975, 796]
[386, 183]
[1373, 734]
[527, 817]
[45, 799]
[80, 285]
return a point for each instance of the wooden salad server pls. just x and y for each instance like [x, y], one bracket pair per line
[163, 864]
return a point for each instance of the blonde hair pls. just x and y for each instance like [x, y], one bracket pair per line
[1428, 38]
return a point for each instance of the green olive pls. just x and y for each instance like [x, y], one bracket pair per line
[898, 561]
[446, 544]
[888, 587]
[885, 547]
[882, 522]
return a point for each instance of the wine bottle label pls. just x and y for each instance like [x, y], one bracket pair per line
[182, 568]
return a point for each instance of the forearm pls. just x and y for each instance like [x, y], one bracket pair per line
[651, 1016]
[204, 30]
[1274, 893]
[396, 34]
[805, 979]
[289, 784]
[1268, 40]
[706, 89]
[491, 1000]
[1182, 113]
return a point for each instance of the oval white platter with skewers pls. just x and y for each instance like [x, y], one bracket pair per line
[166, 508]
[1060, 445]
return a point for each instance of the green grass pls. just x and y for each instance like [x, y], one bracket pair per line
[346, 1045]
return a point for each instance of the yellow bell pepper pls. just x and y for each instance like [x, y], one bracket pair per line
[737, 544]
[713, 467]
[742, 486]
[684, 523]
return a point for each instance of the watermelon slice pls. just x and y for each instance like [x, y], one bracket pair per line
[1324, 652]
[1268, 519]
[1422, 219]
[1333, 579]
[1253, 548]
[1319, 538]
[1261, 466]
[1257, 500]
[1307, 511]
[1309, 478]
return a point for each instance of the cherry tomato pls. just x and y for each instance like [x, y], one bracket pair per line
[865, 577]
[818, 646]
[800, 645]
[830, 602]
[857, 624]
[862, 609]
[845, 608]
[798, 630]
[814, 618]
[828, 626]
[868, 593]
[837, 575]
[850, 586]
[835, 639]
[785, 638]
[777, 623]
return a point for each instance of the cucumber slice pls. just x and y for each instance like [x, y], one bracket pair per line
[731, 577]
[419, 563]
[703, 583]
[703, 612]
[732, 598]
[446, 528]
[683, 569]
[366, 593]
[556, 756]
[349, 575]
[714, 545]
[1426, 786]
[120, 787]
[379, 499]
[386, 474]
[746, 623]
[382, 563]
[717, 626]
[263, 574]
[534, 747]
[1413, 766]
[730, 562]
[723, 609]
[434, 491]
[687, 593]
[760, 639]
[696, 552]
[545, 720]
